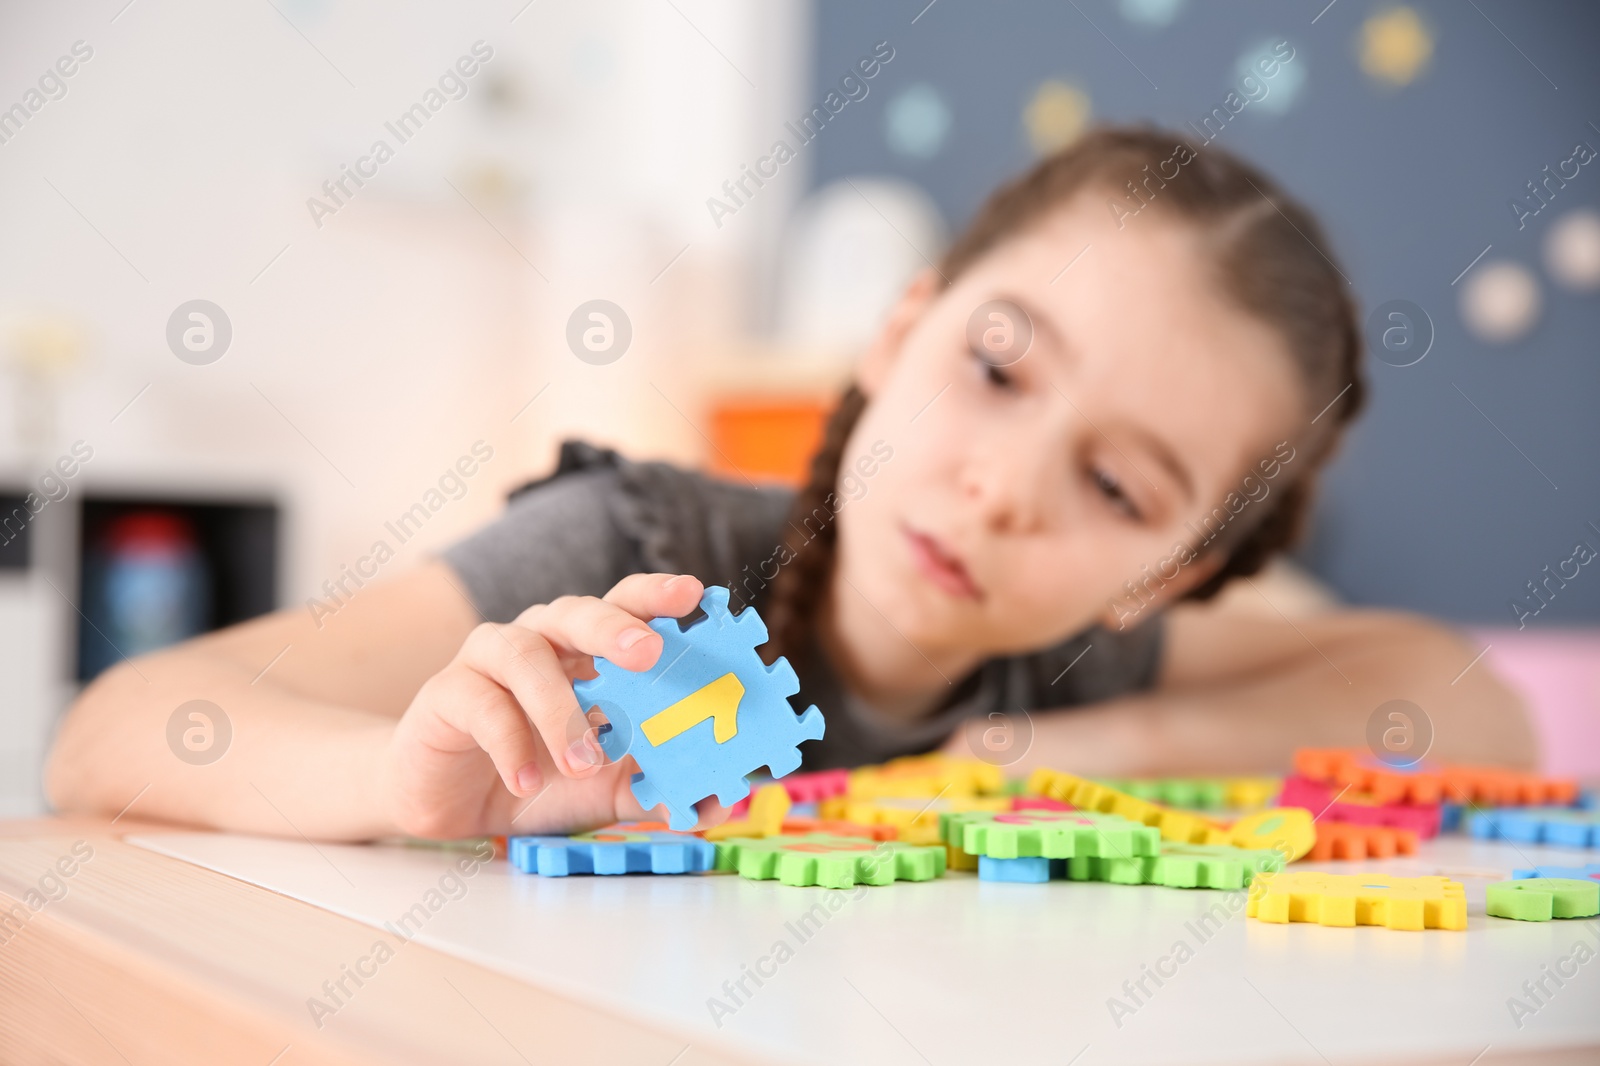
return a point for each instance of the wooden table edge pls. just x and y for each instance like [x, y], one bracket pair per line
[142, 957]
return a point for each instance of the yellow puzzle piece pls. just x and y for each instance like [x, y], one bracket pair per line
[768, 807]
[1358, 899]
[926, 776]
[1177, 827]
[1287, 830]
[718, 701]
[1250, 793]
[915, 818]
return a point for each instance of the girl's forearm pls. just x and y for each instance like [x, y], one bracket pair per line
[261, 759]
[1255, 723]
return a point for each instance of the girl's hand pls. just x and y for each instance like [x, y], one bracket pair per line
[496, 742]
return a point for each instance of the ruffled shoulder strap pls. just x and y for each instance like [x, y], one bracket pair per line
[678, 520]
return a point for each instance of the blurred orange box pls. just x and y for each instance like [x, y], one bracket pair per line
[767, 438]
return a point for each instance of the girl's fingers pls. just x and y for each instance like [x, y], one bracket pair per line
[584, 625]
[627, 807]
[508, 688]
[711, 813]
[615, 627]
[523, 662]
[473, 704]
[657, 595]
[529, 657]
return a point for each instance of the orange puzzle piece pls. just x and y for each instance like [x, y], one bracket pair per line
[1487, 786]
[1343, 840]
[801, 826]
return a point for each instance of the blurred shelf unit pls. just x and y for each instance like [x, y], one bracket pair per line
[111, 570]
[157, 568]
[16, 532]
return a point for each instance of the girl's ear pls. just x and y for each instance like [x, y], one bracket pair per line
[884, 351]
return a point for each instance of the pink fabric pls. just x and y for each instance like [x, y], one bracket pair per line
[1557, 673]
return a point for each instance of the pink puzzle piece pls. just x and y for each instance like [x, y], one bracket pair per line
[1420, 818]
[817, 786]
[1039, 803]
[805, 788]
[1042, 817]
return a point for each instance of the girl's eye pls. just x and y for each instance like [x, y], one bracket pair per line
[1112, 490]
[992, 374]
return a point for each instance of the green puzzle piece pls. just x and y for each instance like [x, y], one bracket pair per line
[1539, 899]
[1187, 793]
[1179, 866]
[1047, 834]
[829, 861]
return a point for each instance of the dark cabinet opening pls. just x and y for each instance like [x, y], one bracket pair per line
[153, 571]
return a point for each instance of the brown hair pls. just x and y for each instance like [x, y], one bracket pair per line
[1270, 256]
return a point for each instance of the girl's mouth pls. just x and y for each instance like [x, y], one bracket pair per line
[939, 566]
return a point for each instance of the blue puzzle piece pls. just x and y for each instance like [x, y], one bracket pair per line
[1450, 815]
[1574, 873]
[691, 764]
[1027, 870]
[616, 850]
[1556, 826]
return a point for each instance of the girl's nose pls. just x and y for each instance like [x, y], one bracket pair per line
[1009, 483]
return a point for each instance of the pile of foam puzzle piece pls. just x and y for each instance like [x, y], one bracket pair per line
[712, 721]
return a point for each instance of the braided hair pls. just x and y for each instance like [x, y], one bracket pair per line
[1269, 255]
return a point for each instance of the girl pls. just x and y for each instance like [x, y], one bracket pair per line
[1113, 394]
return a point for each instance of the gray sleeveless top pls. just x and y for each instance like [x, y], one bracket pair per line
[600, 517]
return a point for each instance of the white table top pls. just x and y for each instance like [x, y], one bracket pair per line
[964, 971]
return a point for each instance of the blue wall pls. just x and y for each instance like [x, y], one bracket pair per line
[1428, 507]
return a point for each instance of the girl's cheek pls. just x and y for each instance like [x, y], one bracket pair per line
[1074, 577]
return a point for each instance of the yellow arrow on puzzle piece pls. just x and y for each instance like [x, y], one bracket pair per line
[718, 701]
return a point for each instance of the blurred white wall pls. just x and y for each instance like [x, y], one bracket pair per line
[372, 351]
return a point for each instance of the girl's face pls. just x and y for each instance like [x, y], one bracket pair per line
[1022, 493]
